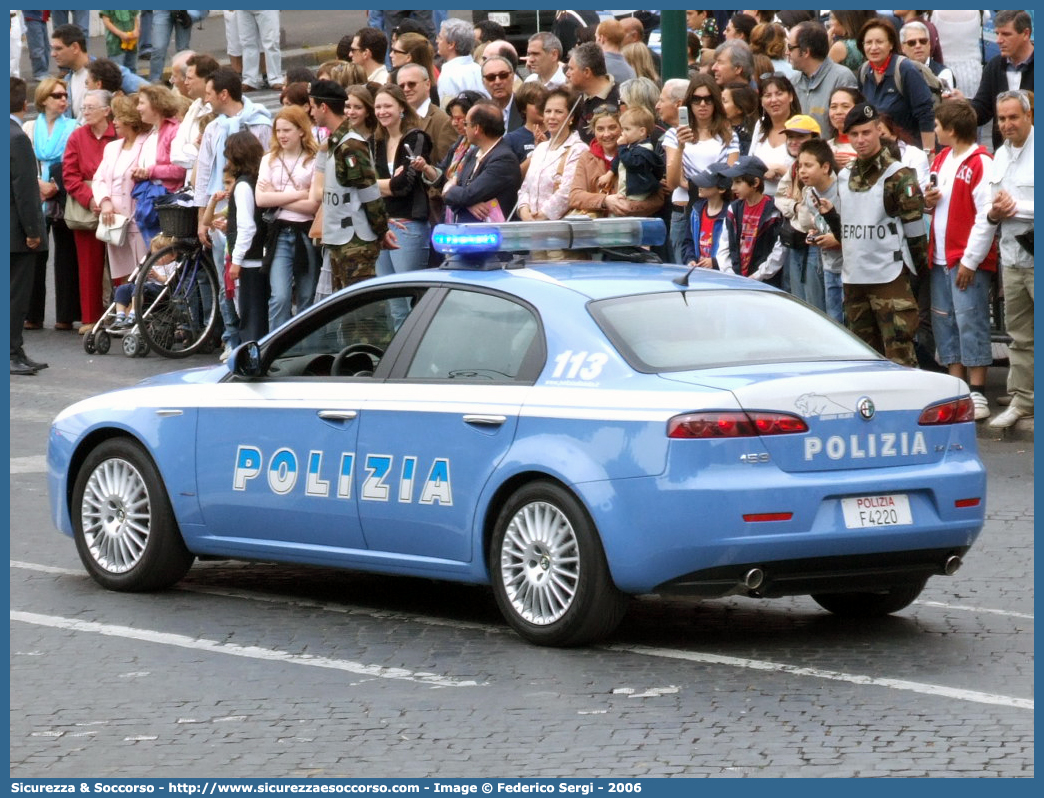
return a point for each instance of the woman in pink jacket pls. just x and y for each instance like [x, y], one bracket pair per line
[158, 107]
[113, 183]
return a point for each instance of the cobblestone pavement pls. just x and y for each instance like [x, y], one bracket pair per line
[263, 670]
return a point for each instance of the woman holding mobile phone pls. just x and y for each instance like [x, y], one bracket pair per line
[398, 144]
[705, 134]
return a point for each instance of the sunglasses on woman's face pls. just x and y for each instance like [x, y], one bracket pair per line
[59, 95]
[702, 99]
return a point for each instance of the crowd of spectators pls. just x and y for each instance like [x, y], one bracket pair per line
[835, 156]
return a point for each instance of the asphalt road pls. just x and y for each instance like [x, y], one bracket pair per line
[263, 670]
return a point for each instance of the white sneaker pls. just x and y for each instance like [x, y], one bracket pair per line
[982, 407]
[1010, 416]
[226, 353]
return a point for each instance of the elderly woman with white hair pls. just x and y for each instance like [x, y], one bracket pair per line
[83, 156]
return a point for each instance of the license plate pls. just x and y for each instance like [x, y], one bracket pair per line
[500, 18]
[864, 512]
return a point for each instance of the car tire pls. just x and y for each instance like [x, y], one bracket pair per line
[549, 572]
[126, 534]
[869, 605]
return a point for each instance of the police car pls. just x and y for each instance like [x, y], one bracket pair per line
[570, 433]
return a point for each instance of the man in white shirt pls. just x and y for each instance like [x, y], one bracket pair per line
[544, 60]
[369, 47]
[235, 112]
[184, 148]
[1012, 184]
[455, 42]
[69, 50]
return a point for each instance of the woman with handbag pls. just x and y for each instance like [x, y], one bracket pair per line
[112, 191]
[399, 139]
[155, 175]
[83, 154]
[283, 183]
[50, 133]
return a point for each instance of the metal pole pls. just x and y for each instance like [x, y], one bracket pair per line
[673, 45]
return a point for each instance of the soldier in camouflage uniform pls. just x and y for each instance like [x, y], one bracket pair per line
[355, 222]
[879, 222]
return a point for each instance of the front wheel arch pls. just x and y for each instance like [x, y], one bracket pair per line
[123, 523]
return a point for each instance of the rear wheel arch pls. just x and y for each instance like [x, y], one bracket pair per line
[547, 564]
[501, 496]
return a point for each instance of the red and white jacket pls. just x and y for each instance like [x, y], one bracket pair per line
[967, 235]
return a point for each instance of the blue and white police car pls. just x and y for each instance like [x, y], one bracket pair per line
[571, 433]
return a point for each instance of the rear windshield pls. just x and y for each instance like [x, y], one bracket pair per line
[684, 330]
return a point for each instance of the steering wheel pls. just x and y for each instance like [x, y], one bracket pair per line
[356, 360]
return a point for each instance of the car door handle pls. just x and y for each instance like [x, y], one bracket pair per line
[338, 415]
[484, 421]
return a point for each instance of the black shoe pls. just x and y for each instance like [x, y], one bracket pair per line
[23, 358]
[145, 55]
[182, 18]
[20, 368]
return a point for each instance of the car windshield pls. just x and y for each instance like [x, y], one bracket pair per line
[683, 330]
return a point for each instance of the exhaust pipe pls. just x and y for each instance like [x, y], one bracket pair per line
[952, 564]
[754, 578]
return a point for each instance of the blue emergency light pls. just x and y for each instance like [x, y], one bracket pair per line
[476, 240]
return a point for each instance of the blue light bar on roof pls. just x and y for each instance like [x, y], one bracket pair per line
[569, 233]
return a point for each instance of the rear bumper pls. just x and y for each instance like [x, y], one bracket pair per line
[844, 574]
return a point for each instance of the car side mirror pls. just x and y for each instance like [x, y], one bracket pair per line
[246, 360]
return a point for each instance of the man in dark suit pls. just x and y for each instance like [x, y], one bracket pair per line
[1012, 69]
[28, 232]
[486, 187]
[498, 75]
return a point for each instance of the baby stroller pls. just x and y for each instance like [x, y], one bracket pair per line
[175, 295]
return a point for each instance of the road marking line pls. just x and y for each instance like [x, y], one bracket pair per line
[426, 619]
[968, 608]
[32, 464]
[251, 652]
[837, 676]
[46, 569]
[895, 684]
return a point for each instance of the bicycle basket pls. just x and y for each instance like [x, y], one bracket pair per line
[178, 221]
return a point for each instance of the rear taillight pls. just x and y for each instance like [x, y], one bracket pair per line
[733, 424]
[955, 411]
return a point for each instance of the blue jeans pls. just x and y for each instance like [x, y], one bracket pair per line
[412, 253]
[127, 58]
[80, 18]
[679, 221]
[229, 314]
[285, 289]
[805, 268]
[145, 37]
[961, 319]
[39, 47]
[835, 296]
[163, 26]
